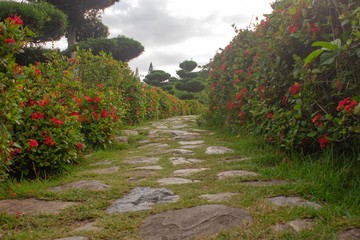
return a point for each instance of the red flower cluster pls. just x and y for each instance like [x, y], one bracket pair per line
[56, 121]
[241, 94]
[16, 20]
[231, 105]
[9, 40]
[314, 28]
[37, 115]
[15, 151]
[33, 143]
[293, 28]
[43, 102]
[295, 88]
[346, 105]
[317, 120]
[104, 113]
[323, 141]
[49, 141]
[79, 146]
[270, 116]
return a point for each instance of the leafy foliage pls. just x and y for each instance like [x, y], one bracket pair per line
[156, 77]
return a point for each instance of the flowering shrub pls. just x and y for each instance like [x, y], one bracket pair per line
[273, 81]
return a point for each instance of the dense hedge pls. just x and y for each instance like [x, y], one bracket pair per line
[294, 78]
[50, 112]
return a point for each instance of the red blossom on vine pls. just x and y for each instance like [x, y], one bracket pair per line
[323, 141]
[16, 20]
[56, 121]
[33, 143]
[9, 41]
[347, 105]
[295, 88]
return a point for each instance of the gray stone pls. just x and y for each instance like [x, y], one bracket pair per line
[155, 167]
[121, 139]
[350, 234]
[182, 160]
[175, 181]
[232, 159]
[109, 170]
[130, 132]
[105, 162]
[93, 185]
[144, 141]
[301, 224]
[32, 206]
[145, 160]
[192, 146]
[186, 137]
[88, 227]
[293, 201]
[182, 133]
[193, 222]
[188, 172]
[179, 126]
[182, 152]
[218, 197]
[218, 150]
[74, 238]
[281, 227]
[264, 183]
[142, 198]
[198, 142]
[155, 145]
[235, 173]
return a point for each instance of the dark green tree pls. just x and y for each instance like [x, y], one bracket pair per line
[156, 77]
[122, 48]
[151, 68]
[189, 81]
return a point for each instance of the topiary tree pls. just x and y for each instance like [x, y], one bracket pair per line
[156, 77]
[189, 81]
[122, 48]
[188, 65]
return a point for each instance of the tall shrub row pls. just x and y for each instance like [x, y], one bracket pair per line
[50, 112]
[294, 78]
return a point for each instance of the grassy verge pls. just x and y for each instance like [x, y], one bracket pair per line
[321, 179]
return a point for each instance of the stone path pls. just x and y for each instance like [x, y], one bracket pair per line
[173, 142]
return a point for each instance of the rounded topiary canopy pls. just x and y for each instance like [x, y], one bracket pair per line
[188, 65]
[158, 75]
[190, 86]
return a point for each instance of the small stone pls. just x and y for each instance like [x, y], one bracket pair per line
[182, 152]
[301, 224]
[156, 167]
[218, 150]
[74, 238]
[191, 142]
[141, 173]
[109, 170]
[182, 160]
[130, 132]
[105, 162]
[173, 181]
[142, 198]
[186, 137]
[188, 172]
[193, 222]
[32, 206]
[235, 173]
[293, 201]
[145, 160]
[155, 145]
[192, 146]
[218, 197]
[121, 139]
[281, 227]
[92, 185]
[350, 234]
[87, 227]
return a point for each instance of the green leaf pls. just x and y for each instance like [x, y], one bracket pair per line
[326, 45]
[312, 56]
[329, 58]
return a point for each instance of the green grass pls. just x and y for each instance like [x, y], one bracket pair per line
[321, 179]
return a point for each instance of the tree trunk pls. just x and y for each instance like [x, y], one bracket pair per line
[71, 37]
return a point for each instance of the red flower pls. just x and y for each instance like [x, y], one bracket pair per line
[49, 141]
[15, 151]
[96, 99]
[9, 40]
[79, 146]
[317, 120]
[270, 116]
[239, 71]
[346, 105]
[100, 85]
[104, 113]
[96, 116]
[88, 98]
[293, 29]
[33, 143]
[56, 121]
[323, 141]
[16, 20]
[283, 100]
[246, 52]
[37, 72]
[231, 105]
[314, 28]
[43, 102]
[261, 89]
[295, 88]
[236, 81]
[37, 115]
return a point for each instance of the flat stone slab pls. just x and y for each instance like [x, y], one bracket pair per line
[142, 198]
[121, 139]
[218, 197]
[146, 141]
[109, 170]
[155, 145]
[74, 238]
[146, 160]
[236, 173]
[237, 159]
[129, 132]
[265, 183]
[193, 222]
[198, 142]
[183, 160]
[188, 172]
[293, 202]
[186, 137]
[193, 146]
[350, 234]
[141, 173]
[218, 150]
[32, 206]
[296, 225]
[174, 181]
[105, 162]
[92, 185]
[182, 152]
[180, 126]
[155, 167]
